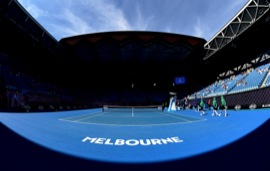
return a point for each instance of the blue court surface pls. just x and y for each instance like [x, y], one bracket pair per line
[133, 136]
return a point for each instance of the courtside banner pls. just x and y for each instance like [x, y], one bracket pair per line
[266, 105]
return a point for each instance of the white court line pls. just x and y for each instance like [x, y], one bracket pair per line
[128, 125]
[92, 115]
[171, 115]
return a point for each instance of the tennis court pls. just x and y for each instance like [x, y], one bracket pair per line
[132, 116]
[133, 135]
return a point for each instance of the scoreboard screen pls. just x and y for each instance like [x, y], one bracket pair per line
[180, 80]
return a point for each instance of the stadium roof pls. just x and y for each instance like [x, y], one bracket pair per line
[135, 56]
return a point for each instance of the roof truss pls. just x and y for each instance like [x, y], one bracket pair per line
[250, 13]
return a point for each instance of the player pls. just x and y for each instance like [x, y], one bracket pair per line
[201, 107]
[223, 106]
[185, 103]
[164, 105]
[209, 104]
[196, 107]
[215, 107]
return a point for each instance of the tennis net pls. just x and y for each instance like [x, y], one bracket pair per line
[118, 108]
